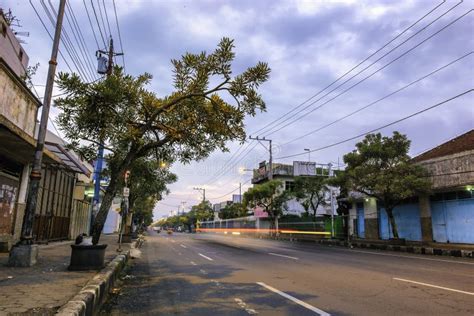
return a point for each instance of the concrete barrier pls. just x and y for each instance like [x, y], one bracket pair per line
[90, 298]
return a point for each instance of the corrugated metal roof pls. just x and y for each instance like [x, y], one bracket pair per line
[67, 158]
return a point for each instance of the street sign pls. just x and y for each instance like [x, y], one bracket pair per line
[126, 192]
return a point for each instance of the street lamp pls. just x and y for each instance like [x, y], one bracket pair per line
[203, 193]
[309, 153]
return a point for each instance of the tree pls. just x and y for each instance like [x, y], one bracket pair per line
[380, 167]
[233, 210]
[147, 182]
[186, 125]
[269, 196]
[311, 192]
[202, 211]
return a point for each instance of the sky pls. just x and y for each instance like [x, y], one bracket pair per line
[420, 54]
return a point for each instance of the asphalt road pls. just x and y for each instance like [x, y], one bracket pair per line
[208, 274]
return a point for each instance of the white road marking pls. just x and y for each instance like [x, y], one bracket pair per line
[216, 282]
[276, 254]
[243, 305]
[210, 259]
[435, 286]
[193, 263]
[203, 271]
[183, 246]
[408, 257]
[172, 240]
[294, 299]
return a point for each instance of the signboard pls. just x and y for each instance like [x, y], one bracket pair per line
[126, 192]
[304, 168]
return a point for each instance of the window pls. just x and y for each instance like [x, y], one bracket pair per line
[20, 55]
[4, 30]
[289, 186]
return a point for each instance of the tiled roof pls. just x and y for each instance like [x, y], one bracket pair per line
[456, 145]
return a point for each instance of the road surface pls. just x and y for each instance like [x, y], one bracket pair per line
[208, 274]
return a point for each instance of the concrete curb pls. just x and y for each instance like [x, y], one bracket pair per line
[409, 249]
[90, 298]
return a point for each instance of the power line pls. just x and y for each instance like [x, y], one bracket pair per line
[378, 70]
[380, 99]
[119, 34]
[224, 195]
[90, 22]
[382, 127]
[106, 17]
[79, 40]
[98, 23]
[82, 40]
[353, 68]
[344, 75]
[50, 36]
[102, 19]
[66, 42]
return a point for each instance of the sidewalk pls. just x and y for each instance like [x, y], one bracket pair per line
[43, 288]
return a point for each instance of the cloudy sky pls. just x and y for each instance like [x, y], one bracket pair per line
[309, 45]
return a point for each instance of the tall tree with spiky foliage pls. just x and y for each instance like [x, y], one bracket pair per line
[133, 122]
[380, 167]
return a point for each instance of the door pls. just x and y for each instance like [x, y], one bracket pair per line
[360, 220]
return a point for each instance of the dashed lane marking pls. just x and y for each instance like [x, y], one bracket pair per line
[243, 305]
[284, 256]
[203, 271]
[294, 299]
[183, 246]
[193, 263]
[206, 257]
[434, 286]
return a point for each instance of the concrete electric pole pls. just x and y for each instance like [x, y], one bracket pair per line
[270, 169]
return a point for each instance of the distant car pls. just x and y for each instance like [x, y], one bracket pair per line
[170, 231]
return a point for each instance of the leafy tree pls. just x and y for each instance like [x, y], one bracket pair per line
[143, 210]
[381, 168]
[311, 192]
[269, 196]
[233, 210]
[202, 211]
[147, 182]
[186, 125]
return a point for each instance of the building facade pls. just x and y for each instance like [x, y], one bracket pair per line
[444, 216]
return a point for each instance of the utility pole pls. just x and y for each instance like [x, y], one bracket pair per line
[333, 204]
[100, 155]
[240, 192]
[309, 154]
[270, 169]
[26, 254]
[203, 193]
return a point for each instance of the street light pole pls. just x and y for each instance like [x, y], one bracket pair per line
[309, 154]
[26, 253]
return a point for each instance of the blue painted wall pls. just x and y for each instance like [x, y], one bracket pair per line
[407, 217]
[360, 220]
[453, 220]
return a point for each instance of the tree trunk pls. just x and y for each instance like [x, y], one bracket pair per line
[392, 222]
[101, 216]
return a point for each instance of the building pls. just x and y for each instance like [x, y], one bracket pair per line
[446, 216]
[286, 174]
[59, 200]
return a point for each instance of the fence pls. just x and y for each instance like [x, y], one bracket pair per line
[80, 220]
